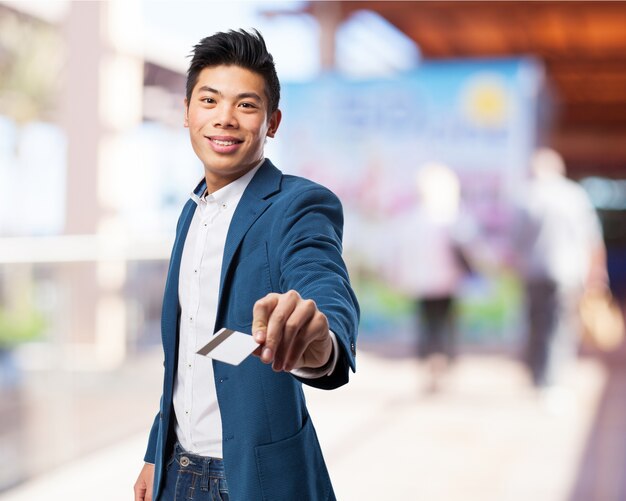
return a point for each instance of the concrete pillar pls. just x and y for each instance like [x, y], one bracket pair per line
[80, 119]
[101, 101]
[328, 15]
[80, 115]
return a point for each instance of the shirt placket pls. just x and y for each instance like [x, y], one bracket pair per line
[193, 311]
[209, 211]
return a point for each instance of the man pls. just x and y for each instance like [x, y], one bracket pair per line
[561, 254]
[258, 252]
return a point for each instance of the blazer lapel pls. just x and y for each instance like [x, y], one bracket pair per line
[169, 318]
[253, 203]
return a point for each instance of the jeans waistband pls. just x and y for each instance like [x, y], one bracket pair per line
[198, 464]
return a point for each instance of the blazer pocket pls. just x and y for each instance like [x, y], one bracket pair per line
[293, 468]
[251, 282]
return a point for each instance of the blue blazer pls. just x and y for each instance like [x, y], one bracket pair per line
[285, 234]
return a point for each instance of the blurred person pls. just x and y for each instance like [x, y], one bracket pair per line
[255, 251]
[561, 255]
[428, 265]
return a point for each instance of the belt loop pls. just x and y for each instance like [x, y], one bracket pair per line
[204, 483]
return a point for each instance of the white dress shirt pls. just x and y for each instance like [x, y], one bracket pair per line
[198, 419]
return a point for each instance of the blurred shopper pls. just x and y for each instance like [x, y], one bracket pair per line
[257, 252]
[560, 254]
[428, 263]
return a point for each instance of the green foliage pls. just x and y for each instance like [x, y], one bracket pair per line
[488, 308]
[384, 312]
[16, 329]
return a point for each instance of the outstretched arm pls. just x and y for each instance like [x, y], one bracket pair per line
[294, 326]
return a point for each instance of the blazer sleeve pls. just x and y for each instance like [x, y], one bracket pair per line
[311, 263]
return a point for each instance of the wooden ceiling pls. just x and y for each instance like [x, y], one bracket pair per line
[583, 46]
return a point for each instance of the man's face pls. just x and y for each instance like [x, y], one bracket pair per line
[228, 122]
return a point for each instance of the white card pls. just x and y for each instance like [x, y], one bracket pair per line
[229, 346]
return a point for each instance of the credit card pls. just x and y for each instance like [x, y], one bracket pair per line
[229, 346]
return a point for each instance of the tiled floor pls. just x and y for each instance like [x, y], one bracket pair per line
[485, 437]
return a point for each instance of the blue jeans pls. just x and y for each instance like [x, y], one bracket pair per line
[194, 478]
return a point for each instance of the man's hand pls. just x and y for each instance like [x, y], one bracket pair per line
[292, 332]
[143, 485]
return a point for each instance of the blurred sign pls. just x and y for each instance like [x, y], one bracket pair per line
[366, 139]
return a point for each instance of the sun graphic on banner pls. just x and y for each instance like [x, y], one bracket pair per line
[485, 102]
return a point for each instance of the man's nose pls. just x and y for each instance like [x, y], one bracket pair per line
[224, 117]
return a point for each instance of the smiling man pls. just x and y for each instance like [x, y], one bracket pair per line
[258, 252]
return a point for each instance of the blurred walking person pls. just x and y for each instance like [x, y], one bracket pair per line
[561, 255]
[424, 263]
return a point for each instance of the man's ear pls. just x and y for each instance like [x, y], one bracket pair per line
[274, 122]
[186, 103]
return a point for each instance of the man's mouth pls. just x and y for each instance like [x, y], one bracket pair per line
[224, 142]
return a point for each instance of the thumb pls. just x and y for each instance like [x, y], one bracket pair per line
[260, 316]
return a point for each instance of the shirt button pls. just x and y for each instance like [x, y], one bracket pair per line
[189, 366]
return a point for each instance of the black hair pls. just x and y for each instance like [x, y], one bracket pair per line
[238, 48]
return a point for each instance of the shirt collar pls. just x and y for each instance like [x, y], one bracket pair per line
[232, 190]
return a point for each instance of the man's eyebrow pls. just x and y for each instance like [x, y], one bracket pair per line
[250, 95]
[243, 95]
[206, 88]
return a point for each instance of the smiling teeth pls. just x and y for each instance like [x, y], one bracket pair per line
[224, 143]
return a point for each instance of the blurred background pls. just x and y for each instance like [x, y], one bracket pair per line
[95, 166]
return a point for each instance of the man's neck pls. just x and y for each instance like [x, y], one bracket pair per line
[215, 183]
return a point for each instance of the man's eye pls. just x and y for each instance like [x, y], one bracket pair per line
[247, 105]
[207, 100]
